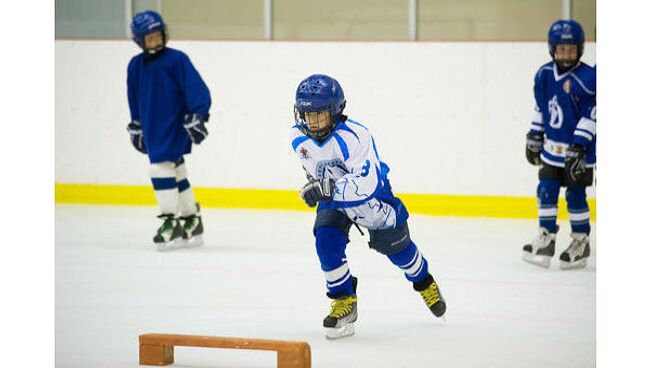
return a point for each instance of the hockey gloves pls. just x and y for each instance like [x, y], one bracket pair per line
[575, 167]
[534, 144]
[137, 139]
[317, 190]
[195, 127]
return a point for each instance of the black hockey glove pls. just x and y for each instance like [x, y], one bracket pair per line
[137, 139]
[575, 166]
[317, 190]
[534, 144]
[195, 127]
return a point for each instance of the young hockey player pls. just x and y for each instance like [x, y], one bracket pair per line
[562, 139]
[169, 104]
[349, 183]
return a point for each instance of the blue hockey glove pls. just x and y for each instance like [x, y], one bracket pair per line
[575, 166]
[317, 190]
[534, 144]
[137, 139]
[195, 127]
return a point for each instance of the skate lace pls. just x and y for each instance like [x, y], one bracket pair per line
[541, 241]
[168, 225]
[431, 295]
[341, 307]
[190, 222]
[576, 248]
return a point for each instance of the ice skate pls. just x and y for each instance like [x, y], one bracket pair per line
[575, 256]
[340, 321]
[540, 251]
[193, 229]
[428, 288]
[169, 235]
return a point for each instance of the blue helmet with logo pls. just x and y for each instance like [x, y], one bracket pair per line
[145, 23]
[316, 93]
[564, 32]
[320, 92]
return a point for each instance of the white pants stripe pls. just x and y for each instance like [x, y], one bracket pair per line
[186, 202]
[167, 198]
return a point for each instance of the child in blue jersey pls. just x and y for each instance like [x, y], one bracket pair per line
[349, 183]
[169, 104]
[562, 139]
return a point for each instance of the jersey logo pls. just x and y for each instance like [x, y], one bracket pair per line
[304, 153]
[567, 86]
[555, 110]
[331, 169]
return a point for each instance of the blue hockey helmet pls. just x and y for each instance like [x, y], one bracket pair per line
[566, 32]
[318, 93]
[145, 23]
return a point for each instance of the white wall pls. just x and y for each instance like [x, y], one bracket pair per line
[448, 118]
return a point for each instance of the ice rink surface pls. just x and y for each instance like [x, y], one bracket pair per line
[257, 275]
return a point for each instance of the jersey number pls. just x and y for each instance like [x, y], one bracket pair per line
[365, 169]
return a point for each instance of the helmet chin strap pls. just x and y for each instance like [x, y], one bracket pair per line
[150, 54]
[321, 135]
[563, 66]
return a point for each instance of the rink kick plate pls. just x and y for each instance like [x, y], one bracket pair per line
[158, 349]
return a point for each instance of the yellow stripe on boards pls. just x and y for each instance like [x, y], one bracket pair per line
[425, 204]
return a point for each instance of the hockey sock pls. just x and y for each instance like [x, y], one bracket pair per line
[186, 202]
[330, 246]
[576, 198]
[547, 193]
[163, 178]
[411, 261]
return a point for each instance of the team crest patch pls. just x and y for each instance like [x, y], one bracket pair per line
[567, 86]
[304, 153]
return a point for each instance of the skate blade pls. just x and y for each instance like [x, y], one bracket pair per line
[541, 261]
[337, 333]
[170, 245]
[195, 241]
[570, 266]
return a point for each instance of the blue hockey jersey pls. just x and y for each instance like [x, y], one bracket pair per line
[565, 111]
[161, 91]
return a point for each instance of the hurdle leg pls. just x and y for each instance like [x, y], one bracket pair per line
[156, 354]
[295, 358]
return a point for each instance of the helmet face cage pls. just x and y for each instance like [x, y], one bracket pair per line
[317, 93]
[145, 23]
[566, 32]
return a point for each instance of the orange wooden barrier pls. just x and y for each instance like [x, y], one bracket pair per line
[158, 349]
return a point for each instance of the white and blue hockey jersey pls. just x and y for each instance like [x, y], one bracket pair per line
[565, 111]
[349, 155]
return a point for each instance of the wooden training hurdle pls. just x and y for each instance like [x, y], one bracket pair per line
[158, 349]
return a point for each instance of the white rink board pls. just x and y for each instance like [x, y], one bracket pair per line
[258, 276]
[449, 118]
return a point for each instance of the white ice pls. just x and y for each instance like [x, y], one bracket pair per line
[258, 276]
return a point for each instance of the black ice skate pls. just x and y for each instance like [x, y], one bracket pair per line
[193, 229]
[169, 234]
[428, 288]
[340, 321]
[540, 251]
[575, 256]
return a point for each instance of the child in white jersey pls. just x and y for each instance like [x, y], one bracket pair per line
[349, 183]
